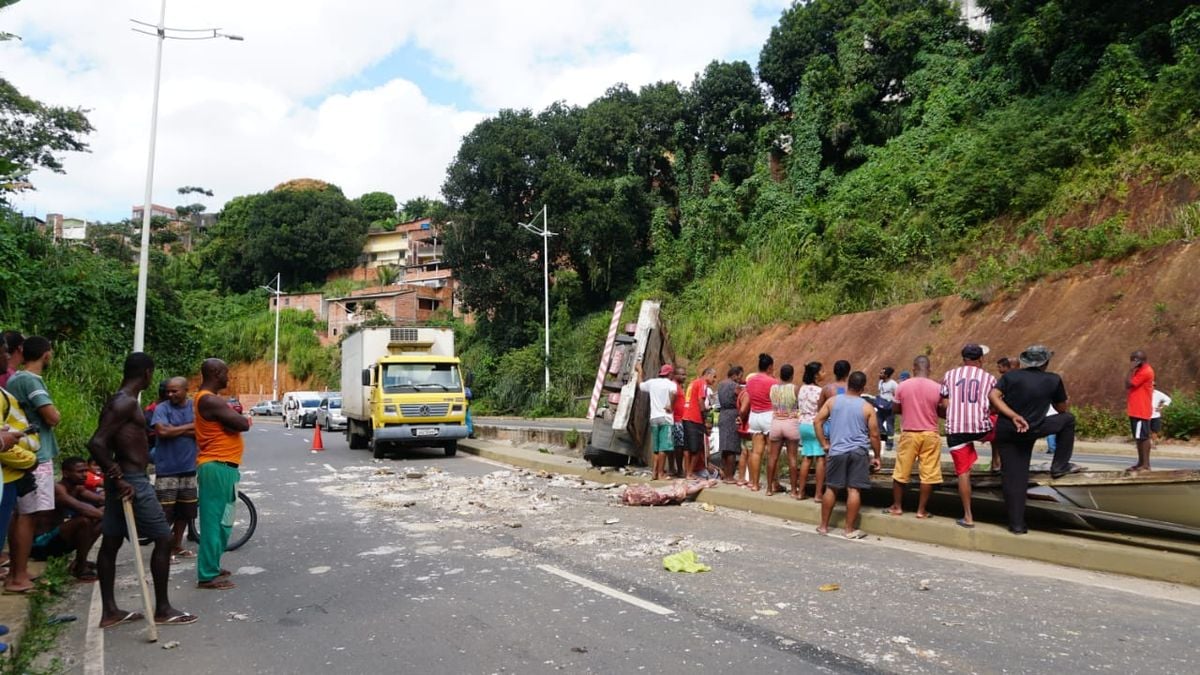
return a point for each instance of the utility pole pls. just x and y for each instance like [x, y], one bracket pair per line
[278, 291]
[545, 234]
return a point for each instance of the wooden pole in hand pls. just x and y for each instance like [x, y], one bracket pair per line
[131, 526]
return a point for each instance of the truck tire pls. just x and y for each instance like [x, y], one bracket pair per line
[451, 448]
[377, 449]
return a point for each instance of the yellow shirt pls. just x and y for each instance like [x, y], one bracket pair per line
[22, 456]
[215, 442]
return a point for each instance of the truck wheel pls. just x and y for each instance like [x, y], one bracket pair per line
[377, 449]
[451, 448]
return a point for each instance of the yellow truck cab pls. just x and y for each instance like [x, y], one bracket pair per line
[402, 386]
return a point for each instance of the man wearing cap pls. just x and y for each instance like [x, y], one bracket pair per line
[1022, 398]
[1139, 385]
[965, 391]
[662, 391]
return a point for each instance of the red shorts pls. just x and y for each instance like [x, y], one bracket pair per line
[964, 457]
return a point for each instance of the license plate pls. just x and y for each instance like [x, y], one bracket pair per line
[425, 432]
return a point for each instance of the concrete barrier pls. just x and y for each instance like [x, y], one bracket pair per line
[1143, 559]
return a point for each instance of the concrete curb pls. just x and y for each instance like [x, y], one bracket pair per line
[1089, 554]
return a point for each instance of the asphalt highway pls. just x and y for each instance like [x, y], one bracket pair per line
[423, 563]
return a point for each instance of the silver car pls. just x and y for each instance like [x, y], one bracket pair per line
[329, 413]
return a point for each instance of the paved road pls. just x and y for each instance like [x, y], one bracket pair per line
[429, 564]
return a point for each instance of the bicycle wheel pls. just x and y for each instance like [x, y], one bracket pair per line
[245, 522]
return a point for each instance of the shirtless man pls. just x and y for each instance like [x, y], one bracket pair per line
[119, 446]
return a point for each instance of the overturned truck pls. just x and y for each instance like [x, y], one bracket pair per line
[618, 410]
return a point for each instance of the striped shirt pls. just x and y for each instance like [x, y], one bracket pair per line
[967, 387]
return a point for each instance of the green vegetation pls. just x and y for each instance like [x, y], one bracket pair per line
[40, 636]
[1181, 419]
[898, 156]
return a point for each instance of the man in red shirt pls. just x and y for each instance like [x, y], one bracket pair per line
[1140, 387]
[916, 401]
[695, 406]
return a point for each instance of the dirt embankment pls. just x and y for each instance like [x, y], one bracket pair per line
[251, 382]
[1092, 318]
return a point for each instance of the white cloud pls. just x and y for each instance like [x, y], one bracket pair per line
[240, 117]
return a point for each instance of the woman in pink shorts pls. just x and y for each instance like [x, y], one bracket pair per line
[785, 429]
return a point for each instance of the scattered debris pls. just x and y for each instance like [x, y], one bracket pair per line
[237, 616]
[513, 525]
[829, 587]
[711, 508]
[408, 504]
[646, 495]
[170, 645]
[248, 571]
[579, 650]
[321, 569]
[684, 561]
[924, 585]
[766, 612]
[413, 475]
[612, 521]
[501, 552]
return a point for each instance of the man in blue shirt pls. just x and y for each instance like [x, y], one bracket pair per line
[175, 461]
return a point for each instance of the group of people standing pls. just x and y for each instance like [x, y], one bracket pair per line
[195, 446]
[832, 427]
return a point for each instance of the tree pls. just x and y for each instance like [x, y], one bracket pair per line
[377, 206]
[419, 207]
[726, 107]
[33, 134]
[302, 230]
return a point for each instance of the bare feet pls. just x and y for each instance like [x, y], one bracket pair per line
[923, 516]
[893, 511]
[822, 530]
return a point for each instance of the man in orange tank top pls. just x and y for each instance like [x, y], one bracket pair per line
[219, 440]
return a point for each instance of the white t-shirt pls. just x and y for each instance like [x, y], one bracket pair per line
[1157, 402]
[660, 389]
[887, 389]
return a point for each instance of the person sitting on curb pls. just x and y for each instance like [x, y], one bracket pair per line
[75, 524]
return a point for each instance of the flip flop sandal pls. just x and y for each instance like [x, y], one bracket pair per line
[184, 553]
[178, 620]
[218, 584]
[963, 523]
[129, 617]
[856, 534]
[889, 512]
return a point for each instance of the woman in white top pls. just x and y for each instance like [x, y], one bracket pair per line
[806, 402]
[784, 429]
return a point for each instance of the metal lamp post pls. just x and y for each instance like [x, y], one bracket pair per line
[545, 234]
[162, 33]
[278, 291]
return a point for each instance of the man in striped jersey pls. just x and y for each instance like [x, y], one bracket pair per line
[965, 392]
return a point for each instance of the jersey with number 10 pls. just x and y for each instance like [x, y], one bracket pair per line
[967, 387]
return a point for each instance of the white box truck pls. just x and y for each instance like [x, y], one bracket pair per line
[402, 386]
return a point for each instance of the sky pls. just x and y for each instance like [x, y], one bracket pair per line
[366, 95]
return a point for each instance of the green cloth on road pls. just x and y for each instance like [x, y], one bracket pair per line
[218, 490]
[684, 561]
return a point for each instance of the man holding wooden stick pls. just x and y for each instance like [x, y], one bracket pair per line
[119, 446]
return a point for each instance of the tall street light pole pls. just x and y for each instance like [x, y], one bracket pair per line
[278, 291]
[545, 234]
[162, 33]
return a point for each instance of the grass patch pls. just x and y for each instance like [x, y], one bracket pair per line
[40, 637]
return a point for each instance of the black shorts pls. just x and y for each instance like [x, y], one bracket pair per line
[1156, 425]
[848, 469]
[693, 436]
[1140, 428]
[955, 440]
[147, 512]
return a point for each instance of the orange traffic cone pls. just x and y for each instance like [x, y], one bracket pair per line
[317, 446]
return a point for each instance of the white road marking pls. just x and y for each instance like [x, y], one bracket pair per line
[93, 643]
[611, 592]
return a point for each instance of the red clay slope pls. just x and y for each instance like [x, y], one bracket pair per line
[1092, 318]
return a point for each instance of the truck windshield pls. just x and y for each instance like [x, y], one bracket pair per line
[398, 377]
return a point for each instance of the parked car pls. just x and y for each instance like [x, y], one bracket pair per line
[261, 408]
[308, 412]
[276, 407]
[235, 404]
[329, 413]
